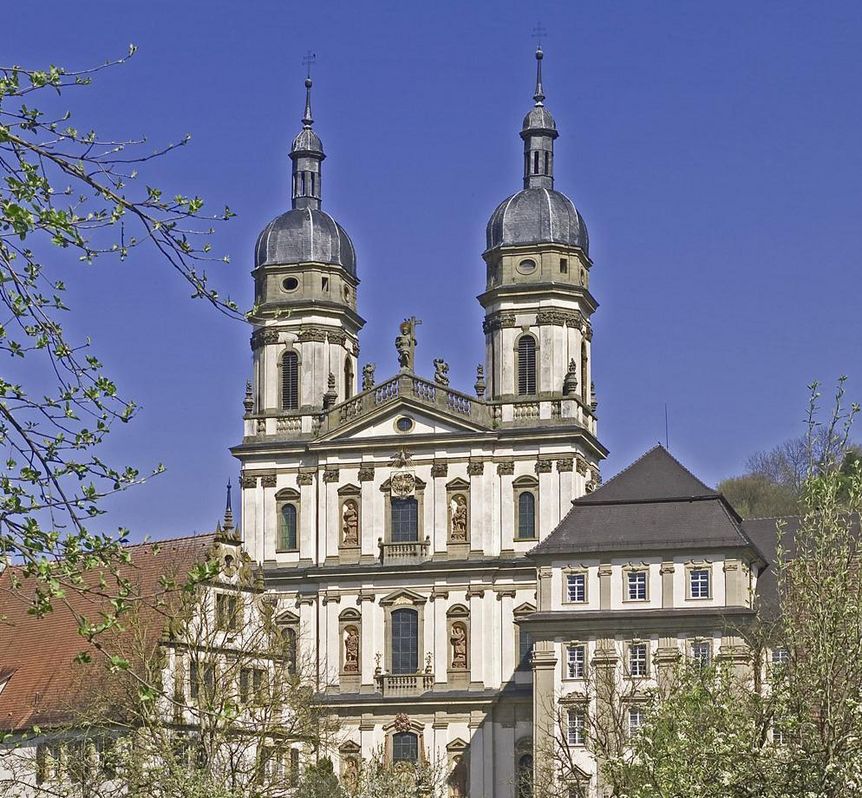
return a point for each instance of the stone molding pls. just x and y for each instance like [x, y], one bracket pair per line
[267, 335]
[248, 480]
[475, 591]
[268, 480]
[439, 468]
[316, 334]
[330, 596]
[499, 320]
[366, 472]
[475, 468]
[365, 595]
[544, 466]
[304, 479]
[565, 464]
[330, 475]
[506, 469]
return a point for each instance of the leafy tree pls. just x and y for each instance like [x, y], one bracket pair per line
[756, 496]
[203, 696]
[319, 781]
[68, 198]
[795, 727]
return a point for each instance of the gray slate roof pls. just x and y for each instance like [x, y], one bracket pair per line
[302, 235]
[655, 503]
[537, 216]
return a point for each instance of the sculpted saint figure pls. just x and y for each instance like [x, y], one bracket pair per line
[459, 647]
[459, 520]
[351, 650]
[441, 371]
[350, 524]
[368, 376]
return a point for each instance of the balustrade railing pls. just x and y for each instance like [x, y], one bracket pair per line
[409, 550]
[404, 684]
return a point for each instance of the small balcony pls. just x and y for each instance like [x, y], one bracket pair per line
[410, 551]
[404, 684]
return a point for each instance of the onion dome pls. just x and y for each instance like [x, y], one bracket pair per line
[538, 214]
[305, 232]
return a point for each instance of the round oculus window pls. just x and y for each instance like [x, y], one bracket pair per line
[290, 284]
[404, 424]
[527, 266]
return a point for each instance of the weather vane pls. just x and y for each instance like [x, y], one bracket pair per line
[307, 60]
[539, 33]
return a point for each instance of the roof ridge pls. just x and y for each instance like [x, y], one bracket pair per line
[629, 467]
[161, 541]
[687, 470]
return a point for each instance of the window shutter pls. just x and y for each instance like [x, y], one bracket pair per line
[290, 381]
[527, 365]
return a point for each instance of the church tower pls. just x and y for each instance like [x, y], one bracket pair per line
[537, 301]
[305, 322]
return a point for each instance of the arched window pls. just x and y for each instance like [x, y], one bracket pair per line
[526, 515]
[524, 787]
[289, 381]
[348, 378]
[405, 641]
[405, 747]
[287, 528]
[404, 520]
[526, 365]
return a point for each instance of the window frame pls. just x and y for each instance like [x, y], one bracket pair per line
[579, 573]
[394, 621]
[576, 733]
[697, 568]
[643, 662]
[289, 400]
[400, 736]
[635, 571]
[568, 661]
[706, 645]
[526, 375]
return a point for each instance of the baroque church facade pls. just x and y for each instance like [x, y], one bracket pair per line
[404, 528]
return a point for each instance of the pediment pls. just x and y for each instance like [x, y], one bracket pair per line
[404, 596]
[525, 609]
[457, 745]
[427, 420]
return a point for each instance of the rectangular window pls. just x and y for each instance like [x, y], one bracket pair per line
[638, 663]
[325, 284]
[227, 612]
[636, 720]
[194, 683]
[701, 653]
[637, 587]
[405, 520]
[575, 726]
[564, 266]
[699, 583]
[576, 587]
[525, 650]
[780, 656]
[576, 662]
[252, 685]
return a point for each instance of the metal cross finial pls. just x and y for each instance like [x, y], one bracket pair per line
[539, 33]
[227, 505]
[307, 60]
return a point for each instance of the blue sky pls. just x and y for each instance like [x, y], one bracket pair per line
[712, 148]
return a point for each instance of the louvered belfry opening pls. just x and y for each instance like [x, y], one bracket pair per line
[527, 365]
[290, 381]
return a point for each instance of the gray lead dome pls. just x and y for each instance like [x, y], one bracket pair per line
[536, 216]
[305, 235]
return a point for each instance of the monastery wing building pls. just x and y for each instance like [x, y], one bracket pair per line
[401, 524]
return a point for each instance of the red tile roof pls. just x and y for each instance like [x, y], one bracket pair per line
[37, 654]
